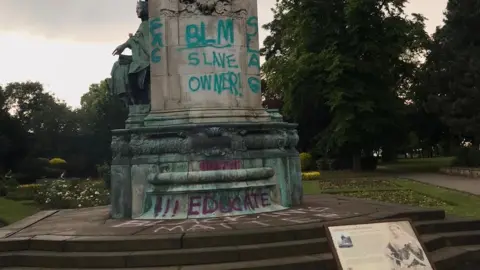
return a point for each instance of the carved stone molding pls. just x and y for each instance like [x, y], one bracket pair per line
[207, 141]
[207, 8]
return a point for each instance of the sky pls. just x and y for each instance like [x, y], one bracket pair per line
[67, 44]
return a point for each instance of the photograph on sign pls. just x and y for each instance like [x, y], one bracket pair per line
[390, 245]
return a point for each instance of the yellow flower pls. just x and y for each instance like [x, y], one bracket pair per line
[310, 176]
[55, 161]
[30, 186]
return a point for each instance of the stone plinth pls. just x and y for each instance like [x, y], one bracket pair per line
[185, 171]
[206, 148]
[205, 62]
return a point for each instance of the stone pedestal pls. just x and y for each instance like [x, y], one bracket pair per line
[206, 147]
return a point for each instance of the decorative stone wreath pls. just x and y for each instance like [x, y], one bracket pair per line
[207, 7]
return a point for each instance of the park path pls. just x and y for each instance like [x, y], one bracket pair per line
[454, 182]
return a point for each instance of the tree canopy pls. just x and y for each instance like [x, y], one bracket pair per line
[342, 68]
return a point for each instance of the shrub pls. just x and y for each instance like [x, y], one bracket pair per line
[306, 161]
[32, 169]
[7, 184]
[369, 163]
[467, 157]
[104, 173]
[57, 161]
[62, 194]
[324, 164]
[24, 192]
[308, 176]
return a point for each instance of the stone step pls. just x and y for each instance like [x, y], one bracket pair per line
[459, 238]
[186, 256]
[440, 226]
[177, 241]
[308, 262]
[449, 258]
[164, 241]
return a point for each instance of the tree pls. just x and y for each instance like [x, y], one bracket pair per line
[13, 139]
[99, 114]
[451, 79]
[49, 121]
[342, 68]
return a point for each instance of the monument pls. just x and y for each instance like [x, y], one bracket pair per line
[197, 142]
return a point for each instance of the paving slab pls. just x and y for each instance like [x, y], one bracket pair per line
[64, 225]
[460, 183]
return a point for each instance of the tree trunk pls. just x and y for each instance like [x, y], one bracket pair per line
[357, 166]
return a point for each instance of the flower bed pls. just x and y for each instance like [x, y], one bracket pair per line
[24, 192]
[309, 176]
[61, 194]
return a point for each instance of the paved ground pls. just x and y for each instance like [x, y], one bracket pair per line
[465, 184]
[67, 224]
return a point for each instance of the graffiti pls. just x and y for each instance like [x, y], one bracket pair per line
[196, 35]
[208, 204]
[213, 59]
[157, 39]
[253, 53]
[279, 218]
[217, 165]
[212, 204]
[230, 79]
[254, 84]
[219, 82]
[252, 35]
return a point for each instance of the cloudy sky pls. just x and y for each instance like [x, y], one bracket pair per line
[67, 44]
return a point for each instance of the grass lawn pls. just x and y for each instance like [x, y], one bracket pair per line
[400, 191]
[416, 165]
[401, 166]
[12, 211]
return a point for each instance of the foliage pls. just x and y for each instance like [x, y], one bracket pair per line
[105, 174]
[369, 163]
[31, 169]
[24, 192]
[306, 161]
[341, 67]
[449, 83]
[57, 161]
[308, 176]
[62, 194]
[467, 157]
[33, 123]
[356, 183]
[7, 184]
[408, 197]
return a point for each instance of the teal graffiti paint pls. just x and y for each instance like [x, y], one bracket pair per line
[213, 59]
[252, 33]
[218, 82]
[254, 60]
[155, 55]
[157, 39]
[196, 35]
[255, 85]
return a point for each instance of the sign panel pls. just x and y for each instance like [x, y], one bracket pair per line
[392, 245]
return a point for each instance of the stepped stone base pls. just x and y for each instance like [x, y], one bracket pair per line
[204, 170]
[289, 239]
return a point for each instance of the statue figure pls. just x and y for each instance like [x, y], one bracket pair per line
[131, 74]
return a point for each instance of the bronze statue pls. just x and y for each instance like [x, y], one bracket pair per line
[131, 74]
